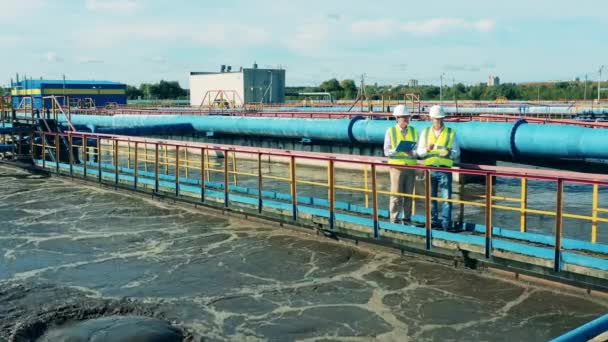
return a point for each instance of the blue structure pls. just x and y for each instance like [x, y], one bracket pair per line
[79, 92]
[585, 332]
[512, 139]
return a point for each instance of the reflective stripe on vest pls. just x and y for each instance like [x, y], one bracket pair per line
[401, 158]
[442, 144]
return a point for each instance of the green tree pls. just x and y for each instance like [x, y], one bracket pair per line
[167, 90]
[330, 85]
[350, 89]
[133, 93]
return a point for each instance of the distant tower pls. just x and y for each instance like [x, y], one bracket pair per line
[493, 81]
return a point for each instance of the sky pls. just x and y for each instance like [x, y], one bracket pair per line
[390, 42]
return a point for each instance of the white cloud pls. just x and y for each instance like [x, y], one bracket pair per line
[159, 60]
[310, 38]
[210, 35]
[125, 6]
[424, 27]
[89, 60]
[14, 10]
[378, 27]
[222, 35]
[8, 40]
[52, 57]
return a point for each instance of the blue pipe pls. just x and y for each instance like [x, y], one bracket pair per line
[586, 331]
[318, 129]
[522, 109]
[7, 147]
[514, 139]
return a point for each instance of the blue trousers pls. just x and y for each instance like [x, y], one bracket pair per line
[441, 186]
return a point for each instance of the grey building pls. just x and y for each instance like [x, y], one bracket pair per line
[246, 85]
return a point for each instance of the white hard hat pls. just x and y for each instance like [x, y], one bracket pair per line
[436, 112]
[400, 111]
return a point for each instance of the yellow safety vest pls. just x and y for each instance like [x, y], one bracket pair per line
[439, 156]
[401, 158]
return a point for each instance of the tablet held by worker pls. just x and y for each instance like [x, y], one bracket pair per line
[406, 146]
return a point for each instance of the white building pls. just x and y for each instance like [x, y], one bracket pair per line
[248, 85]
[412, 83]
[493, 81]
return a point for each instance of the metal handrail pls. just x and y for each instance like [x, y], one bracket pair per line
[332, 160]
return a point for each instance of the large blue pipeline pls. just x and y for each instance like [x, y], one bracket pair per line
[517, 139]
[522, 109]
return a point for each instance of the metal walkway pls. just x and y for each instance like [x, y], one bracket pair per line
[340, 194]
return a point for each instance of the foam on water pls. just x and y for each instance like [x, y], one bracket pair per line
[73, 246]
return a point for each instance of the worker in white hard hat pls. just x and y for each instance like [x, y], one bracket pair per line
[438, 146]
[402, 179]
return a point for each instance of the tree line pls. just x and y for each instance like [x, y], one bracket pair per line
[555, 91]
[347, 90]
[163, 90]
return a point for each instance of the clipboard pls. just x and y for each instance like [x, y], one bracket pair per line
[406, 146]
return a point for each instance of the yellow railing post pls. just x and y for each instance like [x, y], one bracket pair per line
[43, 150]
[489, 191]
[234, 175]
[328, 186]
[427, 208]
[186, 162]
[365, 181]
[294, 192]
[461, 205]
[156, 168]
[116, 160]
[32, 145]
[558, 225]
[70, 155]
[146, 157]
[84, 155]
[202, 174]
[375, 201]
[594, 213]
[136, 166]
[57, 151]
[177, 170]
[208, 163]
[99, 155]
[332, 194]
[523, 205]
[166, 159]
[226, 185]
[260, 182]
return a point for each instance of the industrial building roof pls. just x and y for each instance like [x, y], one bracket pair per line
[38, 83]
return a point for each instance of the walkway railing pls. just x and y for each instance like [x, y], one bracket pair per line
[348, 191]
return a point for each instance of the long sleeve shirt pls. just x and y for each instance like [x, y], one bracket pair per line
[422, 151]
[387, 141]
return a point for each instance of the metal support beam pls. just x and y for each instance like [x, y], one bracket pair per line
[489, 190]
[427, 208]
[375, 202]
[558, 225]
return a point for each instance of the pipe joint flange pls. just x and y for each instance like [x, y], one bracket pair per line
[513, 150]
[351, 136]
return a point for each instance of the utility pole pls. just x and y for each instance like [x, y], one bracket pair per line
[441, 87]
[599, 84]
[585, 92]
[454, 90]
[361, 95]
